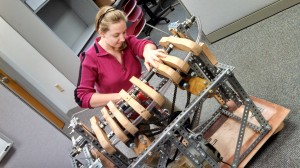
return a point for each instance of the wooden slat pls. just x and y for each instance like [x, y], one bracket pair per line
[176, 63]
[181, 44]
[101, 136]
[168, 72]
[136, 106]
[123, 120]
[155, 96]
[114, 126]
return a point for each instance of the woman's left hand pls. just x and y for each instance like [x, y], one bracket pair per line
[152, 55]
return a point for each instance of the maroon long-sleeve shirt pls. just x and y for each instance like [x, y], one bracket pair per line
[101, 72]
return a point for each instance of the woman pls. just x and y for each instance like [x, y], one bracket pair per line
[112, 60]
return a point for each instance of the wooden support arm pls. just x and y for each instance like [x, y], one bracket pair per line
[101, 136]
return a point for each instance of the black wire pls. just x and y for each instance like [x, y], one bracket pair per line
[226, 163]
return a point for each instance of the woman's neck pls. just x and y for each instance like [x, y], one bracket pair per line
[107, 47]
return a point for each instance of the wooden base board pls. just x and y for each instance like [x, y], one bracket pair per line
[224, 138]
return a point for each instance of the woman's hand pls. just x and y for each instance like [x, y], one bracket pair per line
[151, 54]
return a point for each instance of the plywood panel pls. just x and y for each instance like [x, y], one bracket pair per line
[224, 139]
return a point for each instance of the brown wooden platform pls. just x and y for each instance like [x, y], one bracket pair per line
[224, 133]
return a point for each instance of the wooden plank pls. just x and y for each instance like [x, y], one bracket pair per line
[114, 126]
[123, 120]
[101, 136]
[136, 106]
[181, 44]
[224, 139]
[155, 96]
[141, 143]
[168, 72]
[176, 63]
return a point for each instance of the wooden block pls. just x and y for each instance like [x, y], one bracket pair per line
[104, 160]
[101, 136]
[168, 72]
[155, 96]
[114, 126]
[197, 85]
[141, 144]
[136, 106]
[181, 162]
[123, 120]
[181, 44]
[224, 138]
[176, 63]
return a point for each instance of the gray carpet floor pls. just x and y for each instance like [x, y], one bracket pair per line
[267, 64]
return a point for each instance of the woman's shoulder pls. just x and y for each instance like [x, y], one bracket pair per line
[132, 38]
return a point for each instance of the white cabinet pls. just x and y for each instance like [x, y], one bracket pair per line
[35, 5]
[71, 20]
[222, 18]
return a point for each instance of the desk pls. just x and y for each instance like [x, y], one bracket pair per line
[223, 18]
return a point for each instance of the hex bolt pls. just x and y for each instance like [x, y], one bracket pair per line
[193, 74]
[185, 85]
[132, 145]
[4, 79]
[141, 138]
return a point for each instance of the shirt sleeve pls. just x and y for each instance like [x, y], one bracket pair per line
[137, 45]
[86, 81]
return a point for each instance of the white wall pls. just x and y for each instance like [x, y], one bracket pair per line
[34, 73]
[41, 37]
[37, 143]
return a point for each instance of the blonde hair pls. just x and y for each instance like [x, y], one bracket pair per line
[106, 16]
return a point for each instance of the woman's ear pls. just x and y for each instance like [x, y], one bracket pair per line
[100, 33]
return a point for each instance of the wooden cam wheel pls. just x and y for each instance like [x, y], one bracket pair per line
[189, 46]
[156, 97]
[135, 105]
[114, 126]
[123, 120]
[168, 72]
[181, 44]
[176, 63]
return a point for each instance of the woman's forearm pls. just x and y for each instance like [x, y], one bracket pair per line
[98, 99]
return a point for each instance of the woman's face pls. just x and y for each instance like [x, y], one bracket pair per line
[115, 36]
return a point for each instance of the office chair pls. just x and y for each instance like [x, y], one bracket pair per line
[135, 17]
[154, 17]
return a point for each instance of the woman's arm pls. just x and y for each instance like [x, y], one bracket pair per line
[99, 99]
[152, 54]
